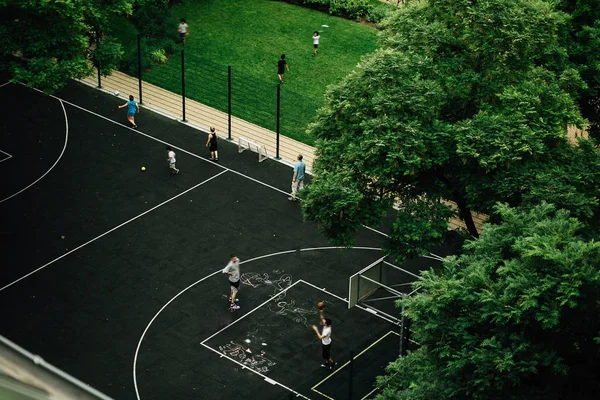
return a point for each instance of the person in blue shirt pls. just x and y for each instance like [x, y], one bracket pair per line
[132, 109]
[298, 178]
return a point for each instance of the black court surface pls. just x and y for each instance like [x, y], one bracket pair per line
[113, 274]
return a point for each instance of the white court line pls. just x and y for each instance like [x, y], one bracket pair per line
[174, 146]
[271, 297]
[342, 247]
[53, 165]
[323, 290]
[113, 229]
[266, 378]
[137, 393]
[190, 153]
[137, 350]
[7, 158]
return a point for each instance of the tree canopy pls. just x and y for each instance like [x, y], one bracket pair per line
[466, 101]
[514, 317]
[43, 43]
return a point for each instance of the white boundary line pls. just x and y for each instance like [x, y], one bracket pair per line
[135, 385]
[369, 347]
[271, 297]
[266, 378]
[342, 247]
[323, 290]
[139, 132]
[189, 152]
[7, 158]
[113, 229]
[53, 165]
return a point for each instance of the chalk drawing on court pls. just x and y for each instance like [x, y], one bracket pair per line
[281, 306]
[256, 360]
[278, 280]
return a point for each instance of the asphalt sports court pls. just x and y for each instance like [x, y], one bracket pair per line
[113, 274]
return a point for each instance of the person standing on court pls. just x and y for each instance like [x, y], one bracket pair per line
[316, 38]
[281, 67]
[325, 337]
[211, 143]
[132, 109]
[298, 178]
[171, 160]
[183, 30]
[233, 270]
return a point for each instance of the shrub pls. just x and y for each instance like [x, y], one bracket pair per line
[353, 9]
[378, 13]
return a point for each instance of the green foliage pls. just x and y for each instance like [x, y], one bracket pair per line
[263, 30]
[581, 37]
[353, 9]
[463, 103]
[159, 56]
[107, 54]
[514, 317]
[336, 204]
[53, 41]
[152, 17]
[417, 228]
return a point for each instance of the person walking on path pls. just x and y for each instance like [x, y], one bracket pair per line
[325, 337]
[171, 159]
[183, 30]
[316, 38]
[132, 109]
[298, 178]
[233, 270]
[211, 143]
[282, 66]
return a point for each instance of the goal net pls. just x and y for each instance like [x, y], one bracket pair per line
[247, 144]
[378, 286]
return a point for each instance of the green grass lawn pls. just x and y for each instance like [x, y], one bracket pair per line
[250, 35]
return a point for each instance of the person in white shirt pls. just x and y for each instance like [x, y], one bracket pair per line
[325, 337]
[233, 270]
[183, 30]
[316, 38]
[171, 159]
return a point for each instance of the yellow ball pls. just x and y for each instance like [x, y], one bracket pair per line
[143, 168]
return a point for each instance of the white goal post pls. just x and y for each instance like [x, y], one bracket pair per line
[247, 144]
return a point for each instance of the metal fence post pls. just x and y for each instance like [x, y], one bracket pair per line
[99, 79]
[404, 334]
[183, 84]
[139, 49]
[229, 102]
[278, 115]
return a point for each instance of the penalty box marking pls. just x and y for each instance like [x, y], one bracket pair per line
[266, 378]
[314, 388]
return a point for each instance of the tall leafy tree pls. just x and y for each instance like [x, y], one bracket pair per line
[458, 104]
[46, 42]
[582, 40]
[516, 316]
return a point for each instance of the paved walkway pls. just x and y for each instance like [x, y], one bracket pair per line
[202, 117]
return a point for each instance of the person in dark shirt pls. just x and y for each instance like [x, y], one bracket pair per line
[211, 143]
[281, 67]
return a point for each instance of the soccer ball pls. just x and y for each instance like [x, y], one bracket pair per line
[117, 93]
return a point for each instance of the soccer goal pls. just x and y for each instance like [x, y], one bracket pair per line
[247, 144]
[377, 287]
